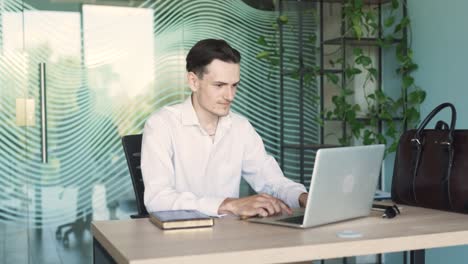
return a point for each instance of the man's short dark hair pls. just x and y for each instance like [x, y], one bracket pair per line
[207, 50]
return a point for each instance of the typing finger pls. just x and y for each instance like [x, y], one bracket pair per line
[285, 208]
[267, 206]
[248, 211]
[276, 205]
[262, 212]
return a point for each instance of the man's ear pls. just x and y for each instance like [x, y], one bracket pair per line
[193, 81]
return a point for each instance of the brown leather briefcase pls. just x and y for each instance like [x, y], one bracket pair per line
[431, 166]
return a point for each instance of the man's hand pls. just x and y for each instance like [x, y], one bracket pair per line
[260, 204]
[303, 199]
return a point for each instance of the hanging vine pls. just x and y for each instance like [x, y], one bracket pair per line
[362, 24]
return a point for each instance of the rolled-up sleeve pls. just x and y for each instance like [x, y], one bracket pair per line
[263, 173]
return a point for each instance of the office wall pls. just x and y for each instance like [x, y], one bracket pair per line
[440, 41]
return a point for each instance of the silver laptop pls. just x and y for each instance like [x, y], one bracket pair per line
[343, 184]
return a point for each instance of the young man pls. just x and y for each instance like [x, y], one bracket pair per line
[195, 153]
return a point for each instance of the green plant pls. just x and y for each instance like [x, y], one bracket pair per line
[395, 114]
[361, 21]
[271, 54]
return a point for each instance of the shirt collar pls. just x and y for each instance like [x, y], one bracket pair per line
[189, 117]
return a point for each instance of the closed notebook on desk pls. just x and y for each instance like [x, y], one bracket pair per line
[175, 219]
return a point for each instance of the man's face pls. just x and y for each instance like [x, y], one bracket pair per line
[215, 91]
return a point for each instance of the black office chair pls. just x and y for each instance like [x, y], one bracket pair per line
[132, 148]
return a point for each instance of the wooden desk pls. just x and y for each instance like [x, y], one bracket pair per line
[235, 241]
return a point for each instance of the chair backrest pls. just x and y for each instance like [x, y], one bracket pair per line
[132, 148]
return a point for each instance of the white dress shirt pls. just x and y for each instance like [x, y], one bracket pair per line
[184, 168]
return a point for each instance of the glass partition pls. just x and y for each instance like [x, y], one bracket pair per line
[16, 115]
[77, 75]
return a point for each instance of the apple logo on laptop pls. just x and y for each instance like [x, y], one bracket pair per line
[348, 183]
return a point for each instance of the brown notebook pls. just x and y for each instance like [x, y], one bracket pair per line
[175, 219]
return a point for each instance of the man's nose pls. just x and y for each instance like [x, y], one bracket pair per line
[229, 94]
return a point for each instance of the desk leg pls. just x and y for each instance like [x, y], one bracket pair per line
[100, 255]
[417, 256]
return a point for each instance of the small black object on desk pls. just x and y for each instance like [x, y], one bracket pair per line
[389, 211]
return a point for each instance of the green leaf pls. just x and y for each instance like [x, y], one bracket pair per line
[373, 72]
[332, 77]
[411, 67]
[313, 39]
[357, 31]
[283, 19]
[335, 99]
[275, 26]
[347, 92]
[295, 74]
[261, 40]
[390, 132]
[407, 81]
[357, 52]
[316, 70]
[343, 141]
[374, 25]
[381, 42]
[389, 39]
[398, 28]
[367, 138]
[398, 103]
[417, 97]
[274, 61]
[352, 71]
[358, 4]
[395, 4]
[262, 55]
[371, 18]
[381, 97]
[386, 115]
[402, 25]
[409, 53]
[405, 22]
[356, 128]
[422, 96]
[401, 58]
[412, 115]
[393, 147]
[356, 107]
[308, 77]
[363, 60]
[381, 139]
[389, 21]
[350, 115]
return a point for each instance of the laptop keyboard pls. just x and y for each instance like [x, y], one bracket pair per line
[293, 220]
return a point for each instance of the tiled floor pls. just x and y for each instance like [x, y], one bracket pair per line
[21, 245]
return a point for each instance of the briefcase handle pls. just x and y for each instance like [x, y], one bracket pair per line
[418, 148]
[431, 115]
